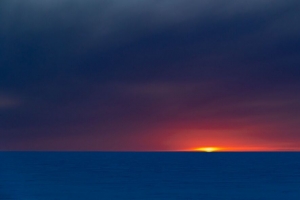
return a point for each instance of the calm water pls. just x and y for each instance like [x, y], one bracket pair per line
[159, 176]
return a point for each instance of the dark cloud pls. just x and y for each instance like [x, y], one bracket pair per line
[137, 68]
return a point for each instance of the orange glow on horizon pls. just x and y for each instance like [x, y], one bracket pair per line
[239, 149]
[226, 141]
[207, 149]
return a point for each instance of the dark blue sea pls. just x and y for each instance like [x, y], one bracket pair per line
[155, 176]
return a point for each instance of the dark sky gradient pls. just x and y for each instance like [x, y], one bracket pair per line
[149, 74]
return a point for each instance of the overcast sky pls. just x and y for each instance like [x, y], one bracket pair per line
[149, 74]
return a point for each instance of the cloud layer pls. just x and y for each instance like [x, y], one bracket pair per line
[109, 71]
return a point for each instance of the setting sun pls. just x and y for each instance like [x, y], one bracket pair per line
[207, 149]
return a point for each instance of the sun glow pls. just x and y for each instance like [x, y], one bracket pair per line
[207, 149]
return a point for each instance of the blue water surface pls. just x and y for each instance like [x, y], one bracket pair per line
[159, 176]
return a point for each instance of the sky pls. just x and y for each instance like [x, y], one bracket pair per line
[149, 75]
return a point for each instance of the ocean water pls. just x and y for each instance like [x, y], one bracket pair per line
[157, 176]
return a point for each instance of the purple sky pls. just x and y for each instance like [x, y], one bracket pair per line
[149, 74]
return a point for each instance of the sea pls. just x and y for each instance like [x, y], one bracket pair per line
[149, 176]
